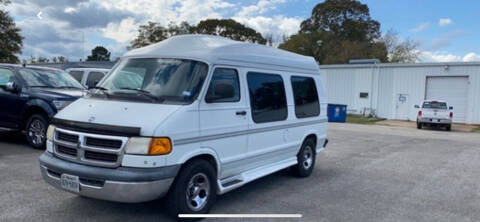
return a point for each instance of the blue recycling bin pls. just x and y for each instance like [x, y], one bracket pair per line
[337, 113]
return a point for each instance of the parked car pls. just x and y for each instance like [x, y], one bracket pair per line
[207, 115]
[435, 113]
[30, 96]
[88, 77]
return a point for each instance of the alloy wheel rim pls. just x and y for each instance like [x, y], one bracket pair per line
[36, 131]
[197, 191]
[307, 157]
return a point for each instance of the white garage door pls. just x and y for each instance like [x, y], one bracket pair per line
[452, 89]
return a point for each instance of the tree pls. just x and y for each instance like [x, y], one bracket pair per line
[62, 59]
[42, 60]
[11, 41]
[153, 32]
[229, 28]
[400, 51]
[338, 31]
[99, 53]
[54, 59]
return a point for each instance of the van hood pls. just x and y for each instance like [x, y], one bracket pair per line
[146, 116]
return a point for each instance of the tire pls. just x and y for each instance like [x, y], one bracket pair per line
[306, 159]
[36, 131]
[448, 127]
[419, 125]
[198, 174]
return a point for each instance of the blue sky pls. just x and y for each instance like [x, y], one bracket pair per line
[445, 30]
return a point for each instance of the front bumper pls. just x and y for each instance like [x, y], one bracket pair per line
[434, 121]
[122, 184]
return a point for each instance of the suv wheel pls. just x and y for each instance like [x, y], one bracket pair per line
[36, 130]
[306, 159]
[194, 190]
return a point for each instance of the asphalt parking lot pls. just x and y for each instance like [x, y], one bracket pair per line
[367, 173]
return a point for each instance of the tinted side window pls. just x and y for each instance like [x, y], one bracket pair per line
[78, 75]
[305, 96]
[5, 77]
[94, 78]
[267, 97]
[224, 80]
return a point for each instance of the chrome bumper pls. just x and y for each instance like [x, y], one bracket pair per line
[100, 187]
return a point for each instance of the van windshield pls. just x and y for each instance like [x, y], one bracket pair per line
[176, 81]
[434, 105]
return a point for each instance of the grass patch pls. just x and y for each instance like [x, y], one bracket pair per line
[362, 120]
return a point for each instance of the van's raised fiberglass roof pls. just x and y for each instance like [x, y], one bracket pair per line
[224, 51]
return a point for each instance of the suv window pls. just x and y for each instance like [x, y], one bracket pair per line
[305, 96]
[267, 97]
[6, 76]
[93, 78]
[78, 75]
[223, 79]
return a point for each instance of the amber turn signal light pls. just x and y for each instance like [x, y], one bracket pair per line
[160, 146]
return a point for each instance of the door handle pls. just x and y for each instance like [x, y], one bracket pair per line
[241, 113]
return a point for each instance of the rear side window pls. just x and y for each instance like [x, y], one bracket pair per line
[6, 76]
[94, 78]
[267, 97]
[305, 96]
[78, 75]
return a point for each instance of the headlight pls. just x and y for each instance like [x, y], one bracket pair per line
[148, 146]
[60, 104]
[50, 132]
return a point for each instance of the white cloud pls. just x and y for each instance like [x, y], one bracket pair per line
[277, 26]
[421, 27]
[471, 57]
[261, 7]
[444, 22]
[69, 10]
[122, 32]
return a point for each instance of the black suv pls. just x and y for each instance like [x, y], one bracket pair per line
[30, 96]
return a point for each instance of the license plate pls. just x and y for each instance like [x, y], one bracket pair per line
[70, 183]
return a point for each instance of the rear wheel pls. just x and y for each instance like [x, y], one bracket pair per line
[194, 190]
[419, 125]
[306, 159]
[36, 130]
[448, 127]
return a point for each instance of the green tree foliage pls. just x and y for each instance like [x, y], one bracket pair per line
[99, 53]
[400, 51]
[10, 39]
[229, 28]
[153, 32]
[337, 31]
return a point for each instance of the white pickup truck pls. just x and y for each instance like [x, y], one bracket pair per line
[434, 113]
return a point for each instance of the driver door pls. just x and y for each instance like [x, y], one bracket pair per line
[10, 102]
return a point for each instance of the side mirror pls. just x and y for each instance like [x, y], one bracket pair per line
[450, 108]
[417, 106]
[11, 87]
[221, 91]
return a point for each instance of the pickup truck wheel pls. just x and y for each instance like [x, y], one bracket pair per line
[193, 191]
[36, 131]
[419, 125]
[448, 127]
[306, 159]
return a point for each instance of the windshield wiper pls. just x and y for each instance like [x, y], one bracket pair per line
[146, 94]
[41, 87]
[68, 87]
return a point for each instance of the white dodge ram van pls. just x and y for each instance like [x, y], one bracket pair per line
[190, 117]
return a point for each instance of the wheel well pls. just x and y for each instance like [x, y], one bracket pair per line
[313, 137]
[32, 111]
[206, 157]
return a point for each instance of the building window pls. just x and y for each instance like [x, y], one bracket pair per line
[364, 95]
[305, 96]
[267, 97]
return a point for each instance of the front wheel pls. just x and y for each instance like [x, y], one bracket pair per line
[194, 189]
[36, 131]
[306, 159]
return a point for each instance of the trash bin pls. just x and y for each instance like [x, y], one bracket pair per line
[337, 113]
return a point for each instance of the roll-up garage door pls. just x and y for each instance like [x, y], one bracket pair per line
[454, 90]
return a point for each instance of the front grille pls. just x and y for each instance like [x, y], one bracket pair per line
[90, 155]
[107, 143]
[67, 150]
[89, 149]
[67, 137]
